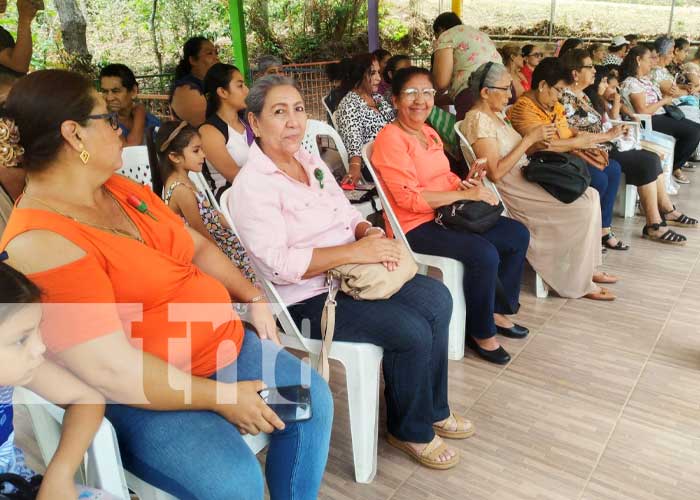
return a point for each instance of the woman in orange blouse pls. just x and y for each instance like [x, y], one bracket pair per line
[139, 306]
[409, 158]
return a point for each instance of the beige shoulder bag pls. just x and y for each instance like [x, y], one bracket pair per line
[361, 282]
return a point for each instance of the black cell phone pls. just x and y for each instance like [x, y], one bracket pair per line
[291, 403]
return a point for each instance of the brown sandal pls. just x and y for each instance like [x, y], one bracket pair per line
[428, 457]
[463, 428]
[602, 294]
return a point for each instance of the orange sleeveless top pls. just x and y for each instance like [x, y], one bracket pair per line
[153, 292]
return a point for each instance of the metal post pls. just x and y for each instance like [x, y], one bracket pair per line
[457, 7]
[670, 21]
[373, 24]
[240, 48]
[552, 10]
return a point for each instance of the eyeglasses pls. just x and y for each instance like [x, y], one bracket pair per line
[558, 90]
[112, 119]
[412, 94]
[536, 54]
[504, 89]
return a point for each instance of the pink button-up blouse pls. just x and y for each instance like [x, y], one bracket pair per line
[280, 220]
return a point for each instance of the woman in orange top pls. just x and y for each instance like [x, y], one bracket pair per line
[542, 105]
[139, 306]
[409, 157]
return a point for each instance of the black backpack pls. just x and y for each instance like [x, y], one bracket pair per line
[564, 176]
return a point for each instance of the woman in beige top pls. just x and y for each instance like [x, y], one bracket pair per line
[565, 238]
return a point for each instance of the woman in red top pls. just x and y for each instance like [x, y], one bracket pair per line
[139, 307]
[415, 173]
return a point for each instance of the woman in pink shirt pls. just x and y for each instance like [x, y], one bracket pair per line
[409, 157]
[297, 224]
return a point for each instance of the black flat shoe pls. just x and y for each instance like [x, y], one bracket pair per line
[514, 332]
[500, 356]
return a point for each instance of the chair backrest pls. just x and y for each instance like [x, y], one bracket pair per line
[464, 145]
[470, 157]
[103, 467]
[316, 128]
[388, 211]
[202, 185]
[280, 308]
[324, 102]
[136, 165]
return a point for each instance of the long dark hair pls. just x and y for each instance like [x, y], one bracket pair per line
[359, 67]
[161, 167]
[39, 103]
[610, 71]
[190, 49]
[15, 290]
[630, 66]
[218, 76]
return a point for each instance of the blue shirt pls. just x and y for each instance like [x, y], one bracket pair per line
[151, 121]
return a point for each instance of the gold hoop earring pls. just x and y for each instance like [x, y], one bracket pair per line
[84, 157]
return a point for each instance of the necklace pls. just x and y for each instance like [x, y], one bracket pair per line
[113, 230]
[417, 134]
[298, 176]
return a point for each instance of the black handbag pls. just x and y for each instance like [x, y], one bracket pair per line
[472, 216]
[23, 489]
[674, 111]
[564, 176]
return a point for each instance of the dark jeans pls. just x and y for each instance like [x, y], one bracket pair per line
[464, 101]
[493, 267]
[606, 182]
[686, 133]
[412, 327]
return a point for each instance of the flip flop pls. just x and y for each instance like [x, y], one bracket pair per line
[428, 457]
[463, 427]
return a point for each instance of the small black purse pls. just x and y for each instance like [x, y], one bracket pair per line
[467, 215]
[674, 111]
[564, 176]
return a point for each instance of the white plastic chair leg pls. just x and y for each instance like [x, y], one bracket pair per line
[454, 280]
[144, 490]
[362, 373]
[630, 200]
[541, 289]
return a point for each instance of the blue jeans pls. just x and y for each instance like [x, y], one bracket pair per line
[606, 182]
[493, 267]
[197, 455]
[413, 328]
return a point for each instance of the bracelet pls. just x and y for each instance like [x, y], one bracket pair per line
[373, 227]
[257, 298]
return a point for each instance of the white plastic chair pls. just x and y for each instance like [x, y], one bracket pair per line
[324, 102]
[316, 128]
[541, 288]
[452, 269]
[136, 165]
[665, 141]
[103, 468]
[362, 364]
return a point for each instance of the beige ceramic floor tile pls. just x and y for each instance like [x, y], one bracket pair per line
[597, 374]
[645, 462]
[680, 342]
[667, 396]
